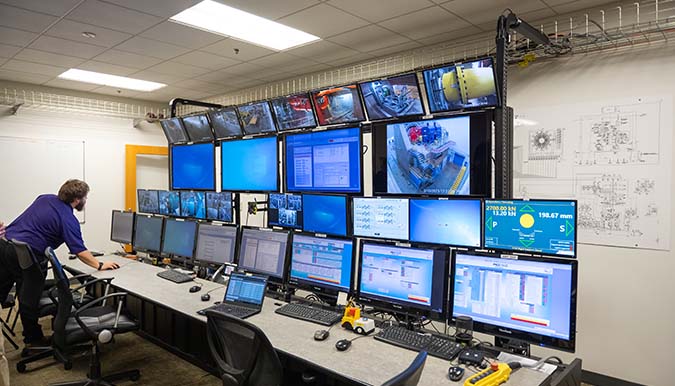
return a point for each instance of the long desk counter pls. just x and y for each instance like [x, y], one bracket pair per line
[367, 361]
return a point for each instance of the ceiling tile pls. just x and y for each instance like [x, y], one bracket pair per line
[311, 68]
[271, 9]
[24, 77]
[111, 16]
[271, 77]
[180, 69]
[369, 38]
[16, 37]
[7, 51]
[106, 68]
[358, 58]
[378, 10]
[427, 22]
[323, 51]
[43, 57]
[181, 35]
[280, 61]
[448, 36]
[127, 59]
[222, 77]
[205, 60]
[157, 77]
[143, 46]
[33, 68]
[26, 20]
[161, 8]
[198, 85]
[537, 15]
[480, 12]
[72, 30]
[323, 20]
[71, 84]
[395, 49]
[116, 91]
[66, 47]
[52, 7]
[245, 51]
[577, 6]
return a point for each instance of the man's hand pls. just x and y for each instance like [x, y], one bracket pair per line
[109, 265]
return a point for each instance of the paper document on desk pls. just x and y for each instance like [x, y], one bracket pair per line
[544, 368]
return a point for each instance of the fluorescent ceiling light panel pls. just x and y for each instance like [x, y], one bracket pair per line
[218, 18]
[110, 80]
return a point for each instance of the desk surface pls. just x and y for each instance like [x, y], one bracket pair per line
[368, 361]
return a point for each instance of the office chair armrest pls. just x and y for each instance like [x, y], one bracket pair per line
[94, 302]
[87, 284]
[80, 276]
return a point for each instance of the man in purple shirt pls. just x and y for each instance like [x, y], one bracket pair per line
[48, 222]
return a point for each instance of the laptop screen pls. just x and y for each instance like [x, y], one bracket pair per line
[246, 289]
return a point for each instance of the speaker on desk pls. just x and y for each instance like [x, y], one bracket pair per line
[464, 329]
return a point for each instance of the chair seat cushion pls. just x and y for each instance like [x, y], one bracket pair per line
[97, 319]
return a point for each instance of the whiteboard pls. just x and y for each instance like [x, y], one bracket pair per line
[31, 167]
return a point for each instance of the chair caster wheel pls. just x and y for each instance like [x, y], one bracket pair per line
[135, 377]
[21, 367]
[68, 365]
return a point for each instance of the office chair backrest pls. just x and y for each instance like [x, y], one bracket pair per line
[65, 299]
[411, 375]
[242, 352]
[24, 254]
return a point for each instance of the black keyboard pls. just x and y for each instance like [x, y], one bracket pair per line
[237, 311]
[309, 313]
[174, 276]
[444, 348]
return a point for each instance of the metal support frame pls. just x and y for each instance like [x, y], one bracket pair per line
[180, 101]
[503, 119]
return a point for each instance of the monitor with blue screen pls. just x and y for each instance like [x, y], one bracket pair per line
[385, 218]
[324, 213]
[324, 161]
[169, 203]
[446, 221]
[179, 238]
[197, 128]
[529, 299]
[246, 289]
[284, 210]
[256, 118]
[192, 204]
[193, 167]
[539, 226]
[225, 123]
[174, 130]
[216, 243]
[148, 201]
[219, 206]
[293, 112]
[148, 233]
[321, 264]
[250, 165]
[264, 251]
[398, 96]
[338, 105]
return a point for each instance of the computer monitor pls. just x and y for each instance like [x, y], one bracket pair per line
[293, 112]
[225, 123]
[385, 218]
[284, 210]
[197, 128]
[461, 86]
[264, 251]
[529, 299]
[122, 227]
[250, 165]
[219, 206]
[179, 238]
[216, 243]
[169, 203]
[321, 264]
[192, 204]
[398, 96]
[324, 161]
[440, 156]
[404, 279]
[174, 130]
[454, 222]
[148, 233]
[338, 105]
[148, 201]
[193, 167]
[538, 226]
[256, 118]
[326, 214]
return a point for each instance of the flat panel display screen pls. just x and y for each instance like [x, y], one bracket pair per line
[225, 123]
[256, 118]
[122, 227]
[322, 262]
[451, 222]
[174, 130]
[169, 203]
[393, 97]
[179, 238]
[216, 243]
[148, 233]
[198, 128]
[293, 112]
[285, 210]
[192, 204]
[193, 167]
[148, 201]
[263, 251]
[338, 105]
[250, 165]
[385, 218]
[325, 214]
[219, 206]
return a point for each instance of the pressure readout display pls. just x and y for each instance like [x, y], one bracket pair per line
[547, 227]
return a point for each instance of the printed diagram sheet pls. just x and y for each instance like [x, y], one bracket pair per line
[612, 157]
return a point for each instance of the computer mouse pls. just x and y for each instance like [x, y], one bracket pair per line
[455, 373]
[206, 297]
[343, 344]
[321, 334]
[195, 288]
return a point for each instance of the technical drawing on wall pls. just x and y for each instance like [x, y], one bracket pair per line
[608, 157]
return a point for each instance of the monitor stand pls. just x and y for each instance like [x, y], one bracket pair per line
[279, 292]
[513, 346]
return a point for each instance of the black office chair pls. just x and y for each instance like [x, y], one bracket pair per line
[244, 355]
[411, 375]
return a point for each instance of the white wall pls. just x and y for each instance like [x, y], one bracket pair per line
[626, 311]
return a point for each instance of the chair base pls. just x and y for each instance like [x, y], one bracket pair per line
[33, 355]
[108, 380]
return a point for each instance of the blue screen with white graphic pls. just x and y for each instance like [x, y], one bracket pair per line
[530, 296]
[250, 165]
[450, 222]
[179, 238]
[193, 167]
[324, 214]
[324, 161]
[192, 204]
[547, 227]
[322, 261]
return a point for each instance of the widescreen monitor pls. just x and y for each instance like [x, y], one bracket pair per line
[179, 238]
[169, 203]
[174, 130]
[216, 243]
[385, 218]
[338, 105]
[321, 264]
[539, 226]
[256, 118]
[324, 161]
[219, 206]
[455, 222]
[148, 201]
[250, 165]
[461, 86]
[406, 279]
[326, 214]
[197, 128]
[293, 112]
[122, 227]
[394, 97]
[528, 299]
[225, 123]
[192, 204]
[193, 167]
[264, 251]
[148, 233]
[284, 210]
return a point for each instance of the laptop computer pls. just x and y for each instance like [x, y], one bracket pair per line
[243, 297]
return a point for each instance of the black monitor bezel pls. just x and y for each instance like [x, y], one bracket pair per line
[313, 94]
[348, 217]
[218, 111]
[235, 250]
[264, 133]
[449, 198]
[173, 256]
[181, 204]
[138, 200]
[400, 75]
[267, 219]
[286, 97]
[506, 332]
[273, 279]
[133, 225]
[407, 239]
[180, 123]
[251, 138]
[187, 131]
[142, 249]
[206, 206]
[171, 187]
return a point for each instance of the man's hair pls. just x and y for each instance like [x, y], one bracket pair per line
[73, 189]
